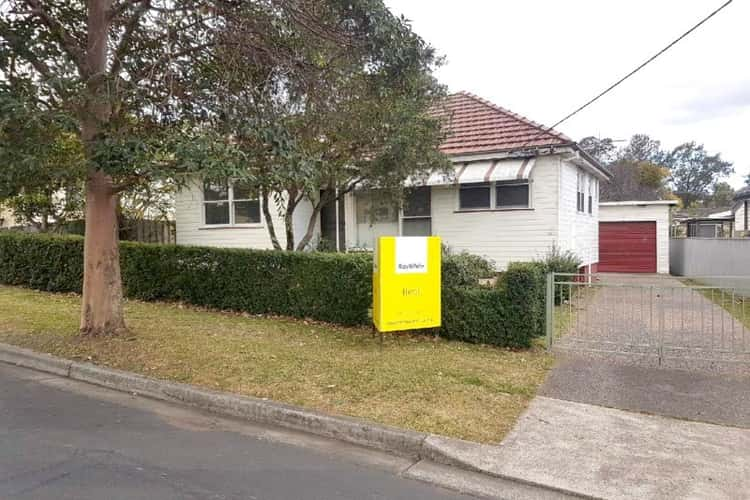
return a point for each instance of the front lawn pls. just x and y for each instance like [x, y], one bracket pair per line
[451, 388]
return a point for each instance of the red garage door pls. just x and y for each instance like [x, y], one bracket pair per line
[627, 247]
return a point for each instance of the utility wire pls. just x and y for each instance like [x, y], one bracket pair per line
[636, 70]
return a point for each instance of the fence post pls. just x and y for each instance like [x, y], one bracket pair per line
[550, 311]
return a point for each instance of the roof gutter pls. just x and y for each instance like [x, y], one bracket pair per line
[591, 160]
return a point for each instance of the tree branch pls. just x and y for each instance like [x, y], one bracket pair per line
[116, 11]
[57, 30]
[21, 49]
[127, 36]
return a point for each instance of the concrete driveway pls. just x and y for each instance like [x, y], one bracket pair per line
[655, 320]
[616, 420]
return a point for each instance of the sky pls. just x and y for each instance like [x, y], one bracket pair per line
[544, 58]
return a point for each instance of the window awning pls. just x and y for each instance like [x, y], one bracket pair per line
[483, 171]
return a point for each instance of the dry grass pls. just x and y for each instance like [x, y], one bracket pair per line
[450, 388]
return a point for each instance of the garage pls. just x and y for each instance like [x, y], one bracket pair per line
[634, 236]
[627, 247]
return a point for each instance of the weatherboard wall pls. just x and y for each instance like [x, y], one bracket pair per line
[191, 229]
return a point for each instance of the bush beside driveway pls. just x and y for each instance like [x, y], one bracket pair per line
[473, 392]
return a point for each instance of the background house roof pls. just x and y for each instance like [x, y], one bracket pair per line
[742, 194]
[478, 126]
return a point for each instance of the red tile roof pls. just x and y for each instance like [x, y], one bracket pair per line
[478, 126]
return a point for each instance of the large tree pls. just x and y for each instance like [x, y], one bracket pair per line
[117, 69]
[132, 76]
[694, 171]
[348, 109]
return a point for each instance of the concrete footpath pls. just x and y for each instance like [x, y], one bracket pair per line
[617, 454]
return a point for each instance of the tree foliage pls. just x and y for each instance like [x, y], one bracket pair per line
[642, 170]
[694, 171]
[722, 195]
[148, 88]
[344, 110]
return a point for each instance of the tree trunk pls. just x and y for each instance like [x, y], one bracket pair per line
[101, 311]
[269, 222]
[310, 227]
[291, 205]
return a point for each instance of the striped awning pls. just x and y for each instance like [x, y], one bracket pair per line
[483, 171]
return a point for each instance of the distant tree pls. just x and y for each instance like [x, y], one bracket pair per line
[693, 171]
[642, 148]
[637, 171]
[603, 150]
[722, 196]
[635, 181]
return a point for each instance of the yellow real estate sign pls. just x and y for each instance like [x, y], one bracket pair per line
[406, 283]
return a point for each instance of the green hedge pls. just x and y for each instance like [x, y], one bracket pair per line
[526, 283]
[325, 286]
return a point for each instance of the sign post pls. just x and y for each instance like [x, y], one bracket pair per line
[406, 283]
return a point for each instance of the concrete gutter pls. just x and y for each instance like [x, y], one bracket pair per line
[419, 446]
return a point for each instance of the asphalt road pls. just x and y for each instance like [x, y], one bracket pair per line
[61, 439]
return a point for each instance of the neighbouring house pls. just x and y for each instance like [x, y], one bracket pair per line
[517, 190]
[703, 223]
[634, 236]
[741, 212]
[728, 222]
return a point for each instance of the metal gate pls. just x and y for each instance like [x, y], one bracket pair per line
[699, 322]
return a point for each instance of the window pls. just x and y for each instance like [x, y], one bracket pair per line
[512, 195]
[474, 196]
[229, 205]
[591, 196]
[417, 212]
[500, 195]
[580, 197]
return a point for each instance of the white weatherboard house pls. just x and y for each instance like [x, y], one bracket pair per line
[518, 189]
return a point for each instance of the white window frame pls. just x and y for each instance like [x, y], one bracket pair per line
[493, 198]
[580, 192]
[402, 217]
[230, 201]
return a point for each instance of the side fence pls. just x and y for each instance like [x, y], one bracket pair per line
[719, 258]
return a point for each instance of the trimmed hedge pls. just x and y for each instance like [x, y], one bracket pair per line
[525, 283]
[325, 286]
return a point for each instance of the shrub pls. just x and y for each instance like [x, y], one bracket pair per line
[464, 269]
[560, 261]
[525, 285]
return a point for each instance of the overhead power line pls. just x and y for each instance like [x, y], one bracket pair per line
[636, 70]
